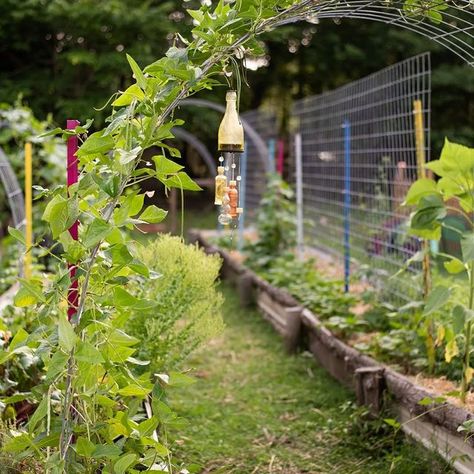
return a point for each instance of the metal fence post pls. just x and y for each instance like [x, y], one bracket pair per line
[347, 204]
[243, 180]
[271, 155]
[299, 194]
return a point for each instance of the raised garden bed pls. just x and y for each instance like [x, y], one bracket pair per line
[435, 426]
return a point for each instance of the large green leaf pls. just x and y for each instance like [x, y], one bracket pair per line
[124, 462]
[438, 297]
[467, 247]
[129, 95]
[96, 144]
[137, 72]
[418, 189]
[153, 214]
[456, 157]
[60, 213]
[182, 181]
[66, 335]
[96, 232]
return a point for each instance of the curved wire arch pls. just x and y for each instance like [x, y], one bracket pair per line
[452, 24]
[13, 191]
[198, 145]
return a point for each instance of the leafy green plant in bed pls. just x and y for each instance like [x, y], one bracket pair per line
[452, 193]
[187, 310]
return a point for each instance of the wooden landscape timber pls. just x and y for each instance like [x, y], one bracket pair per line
[375, 384]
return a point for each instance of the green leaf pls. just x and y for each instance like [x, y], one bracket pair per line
[17, 234]
[164, 166]
[106, 451]
[134, 390]
[39, 414]
[60, 213]
[124, 462]
[454, 266]
[30, 293]
[459, 319]
[137, 72]
[97, 143]
[182, 181]
[120, 254]
[66, 334]
[438, 297]
[96, 232]
[121, 338]
[147, 427]
[418, 189]
[180, 380]
[129, 95]
[455, 157]
[123, 298]
[153, 214]
[86, 352]
[84, 447]
[18, 339]
[467, 247]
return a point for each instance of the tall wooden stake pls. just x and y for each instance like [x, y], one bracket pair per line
[72, 177]
[28, 209]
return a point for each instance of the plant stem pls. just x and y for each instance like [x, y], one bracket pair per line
[468, 334]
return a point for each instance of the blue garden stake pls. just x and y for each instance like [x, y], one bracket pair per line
[243, 182]
[271, 155]
[347, 203]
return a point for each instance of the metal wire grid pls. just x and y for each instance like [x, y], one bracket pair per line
[265, 124]
[13, 191]
[452, 26]
[379, 109]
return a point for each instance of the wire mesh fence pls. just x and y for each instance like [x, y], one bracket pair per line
[358, 158]
[265, 124]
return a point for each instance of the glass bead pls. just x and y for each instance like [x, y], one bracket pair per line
[221, 159]
[239, 178]
[234, 165]
[224, 219]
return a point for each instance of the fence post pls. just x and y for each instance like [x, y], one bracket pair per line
[420, 163]
[347, 204]
[28, 210]
[72, 178]
[243, 183]
[280, 157]
[299, 194]
[271, 155]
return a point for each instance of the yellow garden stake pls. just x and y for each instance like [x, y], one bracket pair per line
[420, 161]
[28, 209]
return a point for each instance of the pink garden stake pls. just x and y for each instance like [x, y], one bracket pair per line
[72, 177]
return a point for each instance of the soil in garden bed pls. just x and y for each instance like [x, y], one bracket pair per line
[255, 409]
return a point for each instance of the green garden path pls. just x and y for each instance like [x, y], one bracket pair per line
[255, 409]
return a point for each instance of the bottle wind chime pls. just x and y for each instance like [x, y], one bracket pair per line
[228, 179]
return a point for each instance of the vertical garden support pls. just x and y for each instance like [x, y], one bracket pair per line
[72, 178]
[280, 157]
[347, 204]
[243, 184]
[28, 209]
[271, 155]
[420, 162]
[299, 193]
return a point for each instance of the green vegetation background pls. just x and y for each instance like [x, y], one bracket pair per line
[67, 57]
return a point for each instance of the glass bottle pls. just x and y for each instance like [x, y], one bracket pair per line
[221, 184]
[233, 198]
[231, 131]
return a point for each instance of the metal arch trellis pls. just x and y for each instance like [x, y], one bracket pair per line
[13, 191]
[447, 22]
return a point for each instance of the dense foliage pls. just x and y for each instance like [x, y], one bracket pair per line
[187, 312]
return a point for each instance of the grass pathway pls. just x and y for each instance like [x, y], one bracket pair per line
[256, 410]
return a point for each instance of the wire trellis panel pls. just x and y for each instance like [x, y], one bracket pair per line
[368, 195]
[265, 124]
[447, 22]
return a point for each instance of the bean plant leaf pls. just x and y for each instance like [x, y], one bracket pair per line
[164, 166]
[97, 231]
[467, 247]
[451, 350]
[60, 213]
[97, 143]
[40, 413]
[153, 214]
[124, 462]
[459, 319]
[84, 447]
[66, 334]
[438, 297]
[182, 181]
[129, 95]
[454, 266]
[137, 72]
[17, 234]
